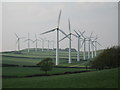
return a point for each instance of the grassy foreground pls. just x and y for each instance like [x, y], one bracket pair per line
[23, 71]
[98, 79]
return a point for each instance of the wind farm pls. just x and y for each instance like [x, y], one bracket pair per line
[64, 49]
[78, 35]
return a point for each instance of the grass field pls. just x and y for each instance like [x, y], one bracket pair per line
[20, 61]
[98, 79]
[33, 58]
[22, 71]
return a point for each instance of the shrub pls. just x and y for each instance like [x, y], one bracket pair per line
[46, 65]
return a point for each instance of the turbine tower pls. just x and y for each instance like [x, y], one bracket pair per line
[92, 46]
[95, 42]
[51, 44]
[69, 41]
[18, 41]
[48, 42]
[36, 44]
[69, 36]
[84, 43]
[28, 40]
[78, 51]
[89, 44]
[57, 29]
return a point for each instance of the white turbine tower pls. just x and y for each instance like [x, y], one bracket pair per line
[92, 46]
[84, 43]
[89, 44]
[36, 44]
[79, 42]
[69, 36]
[57, 29]
[28, 40]
[69, 41]
[18, 41]
[95, 42]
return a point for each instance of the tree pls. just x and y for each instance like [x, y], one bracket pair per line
[46, 65]
[109, 58]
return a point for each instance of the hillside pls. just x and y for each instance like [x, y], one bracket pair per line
[33, 57]
[99, 79]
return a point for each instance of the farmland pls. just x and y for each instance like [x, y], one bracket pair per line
[97, 79]
[35, 57]
[108, 78]
[23, 71]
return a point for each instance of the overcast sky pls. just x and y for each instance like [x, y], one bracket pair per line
[101, 18]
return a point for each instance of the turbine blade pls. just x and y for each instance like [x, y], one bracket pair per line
[92, 43]
[16, 35]
[81, 34]
[99, 44]
[48, 31]
[64, 37]
[69, 25]
[62, 32]
[76, 33]
[59, 18]
[82, 44]
[95, 39]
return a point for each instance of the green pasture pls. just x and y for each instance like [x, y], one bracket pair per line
[30, 61]
[19, 61]
[98, 79]
[44, 54]
[34, 57]
[23, 71]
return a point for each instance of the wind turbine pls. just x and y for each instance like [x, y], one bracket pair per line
[84, 42]
[43, 40]
[69, 36]
[89, 42]
[57, 29]
[48, 42]
[36, 40]
[51, 44]
[78, 51]
[95, 42]
[92, 46]
[28, 40]
[18, 41]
